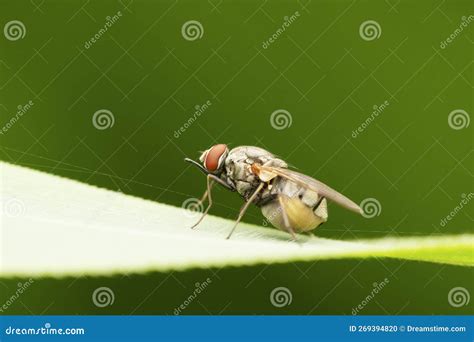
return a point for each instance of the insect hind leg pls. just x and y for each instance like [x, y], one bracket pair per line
[286, 221]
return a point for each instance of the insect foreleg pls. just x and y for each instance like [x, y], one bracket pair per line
[207, 194]
[244, 209]
[204, 197]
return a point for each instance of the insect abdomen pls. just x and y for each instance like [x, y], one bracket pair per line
[301, 217]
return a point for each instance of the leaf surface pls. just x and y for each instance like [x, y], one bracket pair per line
[53, 226]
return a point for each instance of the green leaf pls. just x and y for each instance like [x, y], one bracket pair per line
[56, 226]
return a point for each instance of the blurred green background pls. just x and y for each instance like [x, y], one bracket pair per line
[322, 69]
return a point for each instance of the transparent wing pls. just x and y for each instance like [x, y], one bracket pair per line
[314, 185]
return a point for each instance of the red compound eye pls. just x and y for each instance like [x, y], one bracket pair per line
[211, 162]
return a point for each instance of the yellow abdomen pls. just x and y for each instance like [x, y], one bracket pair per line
[301, 217]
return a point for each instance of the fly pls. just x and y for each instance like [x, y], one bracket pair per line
[289, 200]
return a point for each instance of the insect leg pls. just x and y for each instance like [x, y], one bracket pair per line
[242, 211]
[207, 194]
[286, 221]
[204, 197]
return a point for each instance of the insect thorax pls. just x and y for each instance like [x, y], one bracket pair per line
[238, 171]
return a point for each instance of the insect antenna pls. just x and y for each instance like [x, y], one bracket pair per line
[199, 166]
[212, 176]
